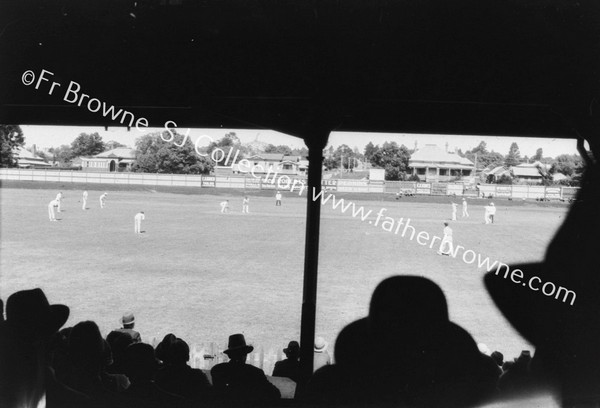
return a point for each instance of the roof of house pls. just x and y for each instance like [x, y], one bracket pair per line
[525, 172]
[121, 152]
[268, 156]
[25, 158]
[434, 154]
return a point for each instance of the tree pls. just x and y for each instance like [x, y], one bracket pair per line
[226, 143]
[62, 155]
[568, 164]
[87, 145]
[370, 150]
[344, 156]
[394, 159]
[286, 150]
[155, 155]
[11, 138]
[303, 152]
[513, 156]
[113, 145]
[539, 155]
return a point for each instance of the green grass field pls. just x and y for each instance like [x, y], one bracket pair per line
[204, 275]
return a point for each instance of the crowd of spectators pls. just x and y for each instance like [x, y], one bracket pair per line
[417, 357]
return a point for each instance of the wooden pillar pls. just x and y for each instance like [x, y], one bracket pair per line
[311, 261]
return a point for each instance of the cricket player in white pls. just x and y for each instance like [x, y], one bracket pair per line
[225, 206]
[84, 200]
[102, 199]
[486, 215]
[59, 198]
[278, 199]
[447, 240]
[138, 222]
[54, 203]
[465, 213]
[454, 210]
[245, 205]
[492, 212]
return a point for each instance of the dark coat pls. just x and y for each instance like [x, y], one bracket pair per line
[183, 380]
[243, 382]
[287, 368]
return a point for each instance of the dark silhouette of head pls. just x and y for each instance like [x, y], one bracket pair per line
[237, 349]
[86, 348]
[140, 363]
[163, 351]
[292, 351]
[180, 352]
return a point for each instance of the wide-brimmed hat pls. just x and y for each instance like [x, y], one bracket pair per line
[556, 304]
[237, 343]
[320, 345]
[30, 312]
[128, 318]
[292, 348]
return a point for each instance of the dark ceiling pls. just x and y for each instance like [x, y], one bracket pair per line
[507, 67]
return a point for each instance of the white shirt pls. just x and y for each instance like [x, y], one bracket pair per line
[492, 210]
[140, 217]
[53, 203]
[103, 196]
[59, 196]
[448, 232]
[278, 196]
[85, 194]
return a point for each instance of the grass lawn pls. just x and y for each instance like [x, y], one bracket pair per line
[204, 275]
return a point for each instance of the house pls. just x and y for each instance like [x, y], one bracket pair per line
[527, 172]
[115, 160]
[432, 163]
[264, 163]
[29, 160]
[496, 173]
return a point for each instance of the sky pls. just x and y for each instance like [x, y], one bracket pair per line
[54, 136]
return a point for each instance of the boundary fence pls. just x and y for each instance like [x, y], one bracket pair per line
[283, 182]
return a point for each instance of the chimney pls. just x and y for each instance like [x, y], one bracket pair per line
[446, 147]
[33, 150]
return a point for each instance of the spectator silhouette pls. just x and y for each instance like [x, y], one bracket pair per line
[118, 342]
[290, 367]
[236, 380]
[517, 377]
[141, 367]
[498, 358]
[163, 349]
[416, 355]
[556, 309]
[177, 377]
[128, 322]
[26, 379]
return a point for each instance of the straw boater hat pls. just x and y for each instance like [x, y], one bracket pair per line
[320, 345]
[236, 343]
[128, 318]
[29, 312]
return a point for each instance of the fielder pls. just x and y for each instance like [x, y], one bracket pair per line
[54, 203]
[225, 206]
[84, 200]
[492, 212]
[465, 213]
[138, 222]
[454, 209]
[278, 199]
[245, 205]
[59, 198]
[447, 240]
[103, 199]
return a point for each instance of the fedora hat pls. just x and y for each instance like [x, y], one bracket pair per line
[292, 348]
[30, 312]
[237, 342]
[128, 318]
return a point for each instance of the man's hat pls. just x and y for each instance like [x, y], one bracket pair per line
[128, 318]
[556, 306]
[292, 348]
[29, 312]
[237, 342]
[320, 345]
